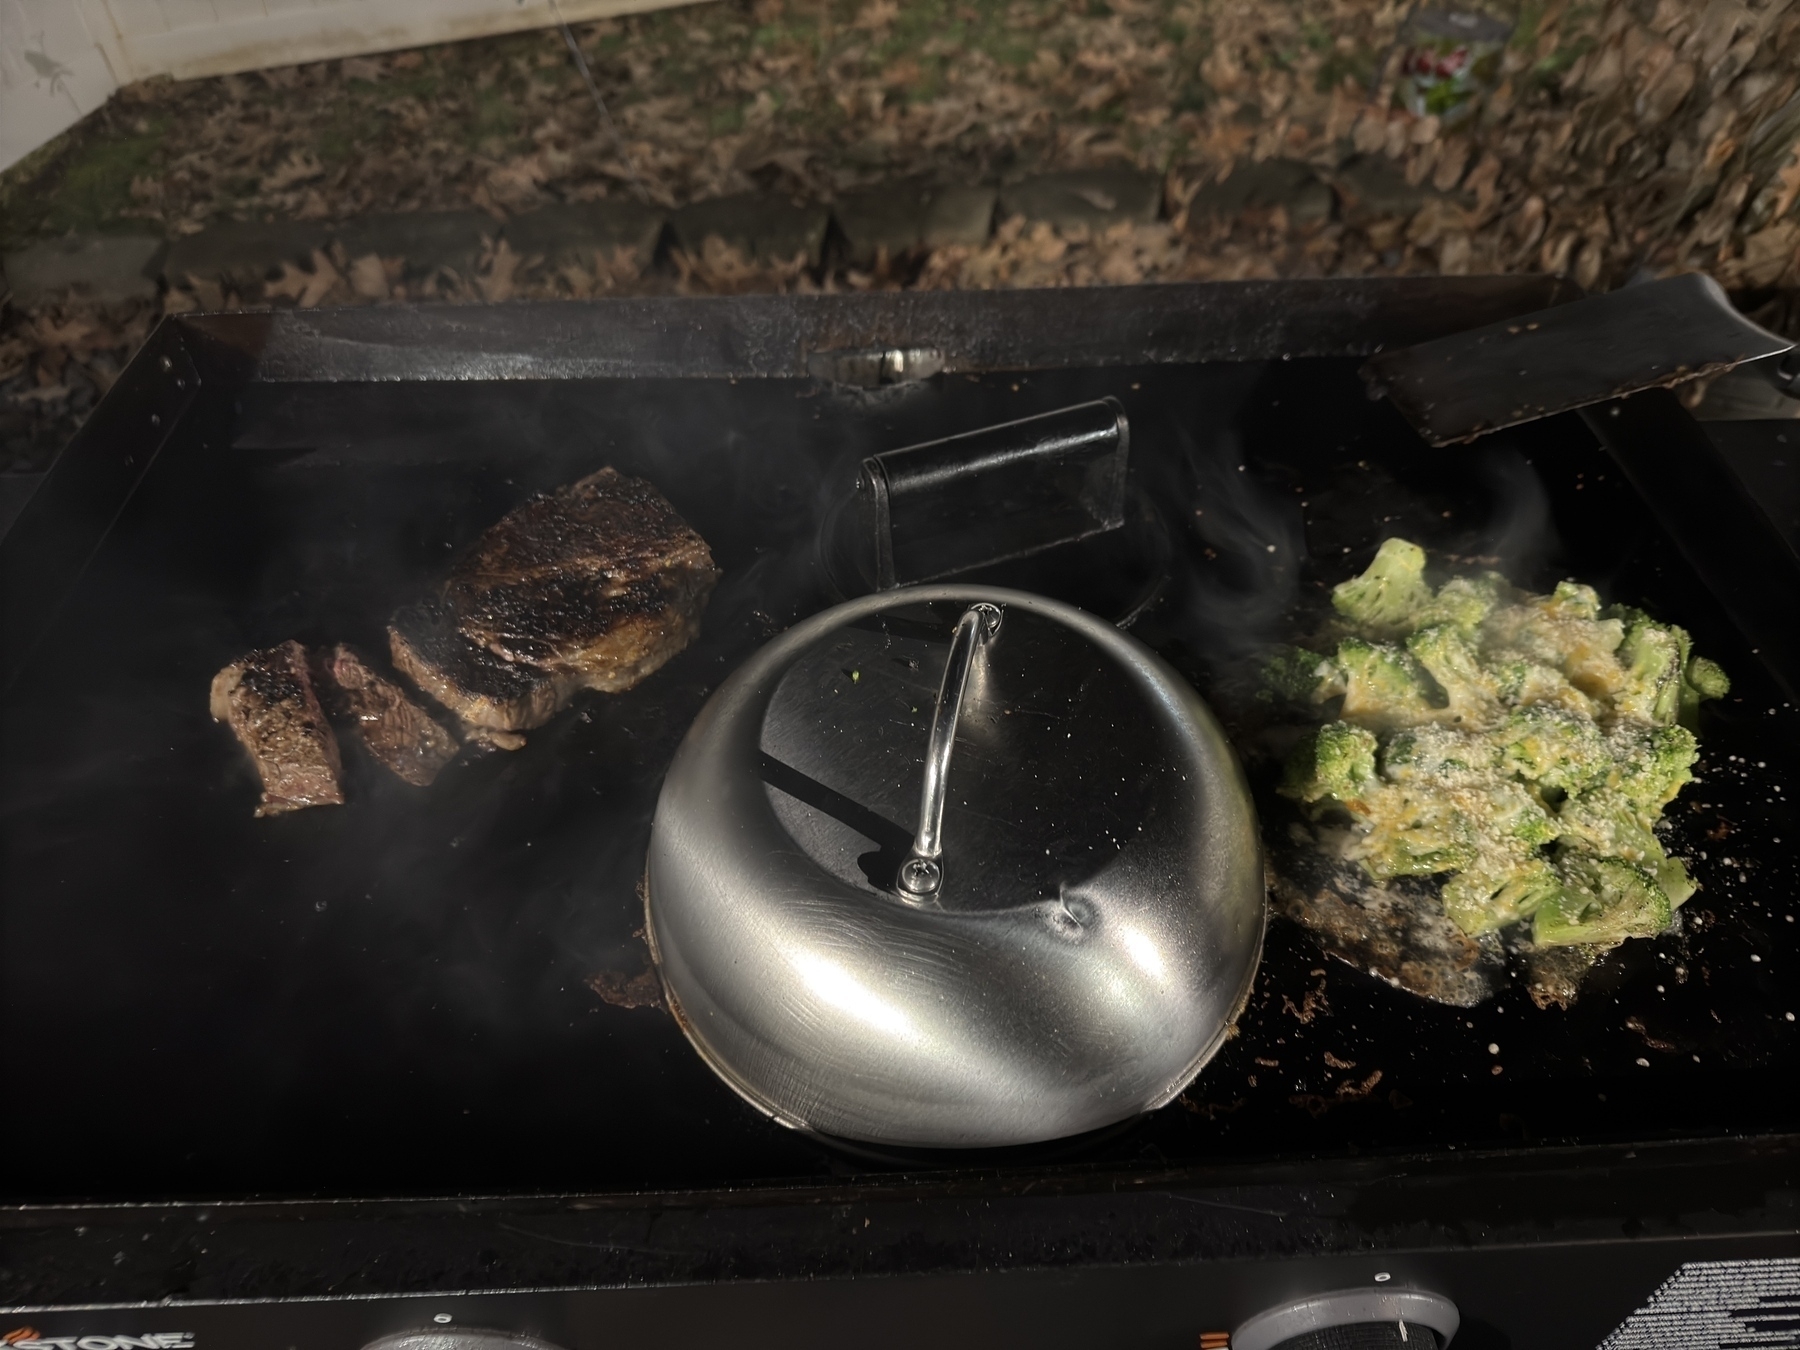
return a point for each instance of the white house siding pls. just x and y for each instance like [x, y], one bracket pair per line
[52, 73]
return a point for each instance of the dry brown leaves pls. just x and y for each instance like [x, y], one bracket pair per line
[306, 287]
[497, 281]
[56, 361]
[1037, 255]
[720, 269]
[1612, 141]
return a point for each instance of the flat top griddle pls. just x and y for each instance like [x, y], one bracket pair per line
[394, 997]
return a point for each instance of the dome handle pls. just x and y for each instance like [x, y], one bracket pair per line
[922, 874]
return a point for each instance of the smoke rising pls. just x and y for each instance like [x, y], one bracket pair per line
[1518, 532]
[1244, 578]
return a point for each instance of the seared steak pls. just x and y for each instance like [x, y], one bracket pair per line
[468, 679]
[399, 733]
[267, 699]
[592, 586]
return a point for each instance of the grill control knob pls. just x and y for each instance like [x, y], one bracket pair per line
[459, 1338]
[1382, 1318]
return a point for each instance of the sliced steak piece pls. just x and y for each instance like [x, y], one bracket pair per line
[268, 700]
[469, 680]
[399, 733]
[592, 586]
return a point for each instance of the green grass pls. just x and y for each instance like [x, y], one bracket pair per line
[21, 200]
[343, 136]
[785, 33]
[980, 25]
[1525, 31]
[684, 74]
[1358, 65]
[930, 84]
[555, 79]
[1195, 96]
[91, 185]
[423, 84]
[496, 116]
[1550, 70]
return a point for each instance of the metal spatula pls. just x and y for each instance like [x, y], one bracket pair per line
[1660, 333]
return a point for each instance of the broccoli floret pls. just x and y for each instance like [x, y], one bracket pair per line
[1652, 764]
[1654, 656]
[1701, 680]
[1437, 756]
[1423, 851]
[1604, 821]
[1464, 601]
[1707, 678]
[1521, 682]
[1337, 762]
[1479, 902]
[1572, 600]
[1383, 686]
[1603, 901]
[1414, 834]
[1449, 659]
[1562, 631]
[1386, 599]
[1299, 676]
[1672, 878]
[1558, 750]
[1519, 818]
[1445, 800]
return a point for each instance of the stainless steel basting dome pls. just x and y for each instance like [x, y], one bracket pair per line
[955, 866]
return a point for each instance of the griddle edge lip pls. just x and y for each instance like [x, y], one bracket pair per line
[743, 337]
[315, 1250]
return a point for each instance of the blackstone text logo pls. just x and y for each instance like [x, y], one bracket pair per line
[27, 1338]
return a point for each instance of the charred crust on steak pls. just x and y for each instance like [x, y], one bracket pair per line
[267, 699]
[469, 680]
[610, 638]
[402, 736]
[606, 525]
[592, 586]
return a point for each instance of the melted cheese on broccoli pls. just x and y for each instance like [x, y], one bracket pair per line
[1520, 746]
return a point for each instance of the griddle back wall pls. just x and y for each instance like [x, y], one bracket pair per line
[392, 997]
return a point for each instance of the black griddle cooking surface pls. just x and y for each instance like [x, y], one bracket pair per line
[393, 997]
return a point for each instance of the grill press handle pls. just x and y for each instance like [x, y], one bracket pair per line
[987, 496]
[922, 874]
